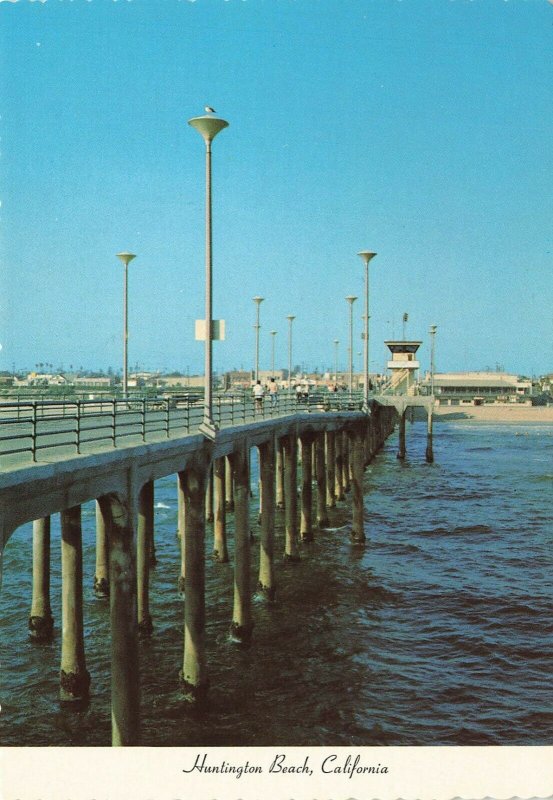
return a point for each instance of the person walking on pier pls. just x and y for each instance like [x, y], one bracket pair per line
[273, 391]
[258, 395]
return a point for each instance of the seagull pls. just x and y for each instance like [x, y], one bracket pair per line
[210, 110]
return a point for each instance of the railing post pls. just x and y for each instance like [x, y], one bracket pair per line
[113, 430]
[78, 427]
[33, 433]
[167, 417]
[143, 419]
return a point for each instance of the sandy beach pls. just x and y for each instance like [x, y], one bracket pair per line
[495, 413]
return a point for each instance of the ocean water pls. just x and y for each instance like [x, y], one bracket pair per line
[438, 632]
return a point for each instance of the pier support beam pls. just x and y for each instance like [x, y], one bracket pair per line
[290, 449]
[181, 524]
[220, 549]
[357, 452]
[266, 585]
[241, 626]
[429, 448]
[209, 498]
[194, 680]
[101, 577]
[229, 491]
[320, 471]
[41, 623]
[401, 449]
[143, 549]
[74, 678]
[339, 463]
[345, 463]
[279, 475]
[330, 469]
[306, 521]
[120, 520]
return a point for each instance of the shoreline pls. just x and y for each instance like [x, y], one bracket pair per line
[513, 414]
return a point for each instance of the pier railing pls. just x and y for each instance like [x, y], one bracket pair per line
[60, 427]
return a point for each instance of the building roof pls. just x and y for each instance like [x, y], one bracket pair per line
[500, 380]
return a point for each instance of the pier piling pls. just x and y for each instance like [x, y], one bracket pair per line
[143, 548]
[306, 516]
[266, 584]
[320, 472]
[194, 680]
[101, 577]
[241, 626]
[41, 623]
[220, 549]
[290, 450]
[74, 678]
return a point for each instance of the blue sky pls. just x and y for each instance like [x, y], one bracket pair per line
[420, 129]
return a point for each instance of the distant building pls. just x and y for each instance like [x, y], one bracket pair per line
[45, 379]
[476, 388]
[237, 379]
[184, 381]
[97, 383]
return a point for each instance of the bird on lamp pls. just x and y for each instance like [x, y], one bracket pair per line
[210, 110]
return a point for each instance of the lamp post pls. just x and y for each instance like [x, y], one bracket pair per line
[125, 258]
[336, 343]
[366, 256]
[273, 334]
[257, 300]
[208, 127]
[351, 300]
[433, 329]
[290, 318]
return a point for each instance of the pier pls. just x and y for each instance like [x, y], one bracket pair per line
[55, 458]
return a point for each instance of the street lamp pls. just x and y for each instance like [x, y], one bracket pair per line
[366, 257]
[208, 127]
[336, 343]
[257, 300]
[351, 300]
[273, 334]
[433, 329]
[290, 318]
[126, 258]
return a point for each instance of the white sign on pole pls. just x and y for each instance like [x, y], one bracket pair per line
[217, 330]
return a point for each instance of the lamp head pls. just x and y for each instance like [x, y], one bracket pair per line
[290, 317]
[351, 299]
[433, 329]
[208, 126]
[126, 257]
[258, 299]
[366, 255]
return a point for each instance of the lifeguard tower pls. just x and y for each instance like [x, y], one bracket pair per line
[403, 366]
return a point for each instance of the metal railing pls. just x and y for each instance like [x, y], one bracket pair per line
[65, 427]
